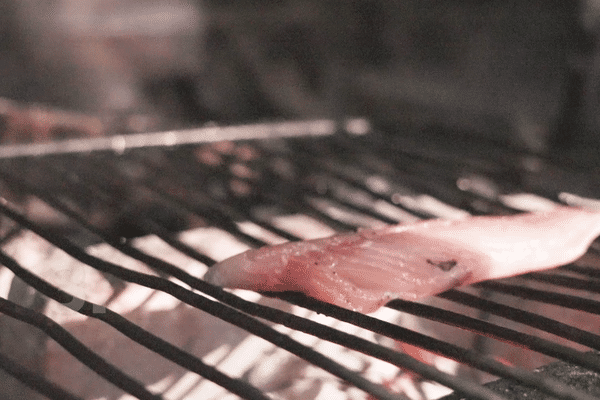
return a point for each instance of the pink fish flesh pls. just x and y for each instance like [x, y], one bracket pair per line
[362, 271]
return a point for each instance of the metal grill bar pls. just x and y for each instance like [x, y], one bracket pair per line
[333, 160]
[440, 182]
[178, 169]
[72, 345]
[494, 331]
[287, 319]
[122, 143]
[462, 355]
[585, 271]
[563, 300]
[186, 296]
[34, 381]
[122, 325]
[238, 319]
[537, 321]
[566, 281]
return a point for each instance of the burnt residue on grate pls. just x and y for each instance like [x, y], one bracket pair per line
[572, 375]
[341, 181]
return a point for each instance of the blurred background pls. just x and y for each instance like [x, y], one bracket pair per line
[519, 71]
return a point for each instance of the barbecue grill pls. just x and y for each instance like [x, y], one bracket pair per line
[92, 294]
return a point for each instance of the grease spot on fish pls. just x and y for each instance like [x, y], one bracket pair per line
[443, 265]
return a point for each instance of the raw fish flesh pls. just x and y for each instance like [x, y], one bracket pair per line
[362, 271]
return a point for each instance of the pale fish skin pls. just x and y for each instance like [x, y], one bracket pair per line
[362, 271]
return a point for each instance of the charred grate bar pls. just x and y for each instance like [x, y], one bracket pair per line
[161, 184]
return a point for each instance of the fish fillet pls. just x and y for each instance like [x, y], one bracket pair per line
[364, 270]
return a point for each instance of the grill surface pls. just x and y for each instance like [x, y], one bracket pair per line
[231, 195]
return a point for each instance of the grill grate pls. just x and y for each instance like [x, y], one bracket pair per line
[158, 184]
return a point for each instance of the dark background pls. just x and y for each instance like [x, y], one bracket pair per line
[517, 71]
